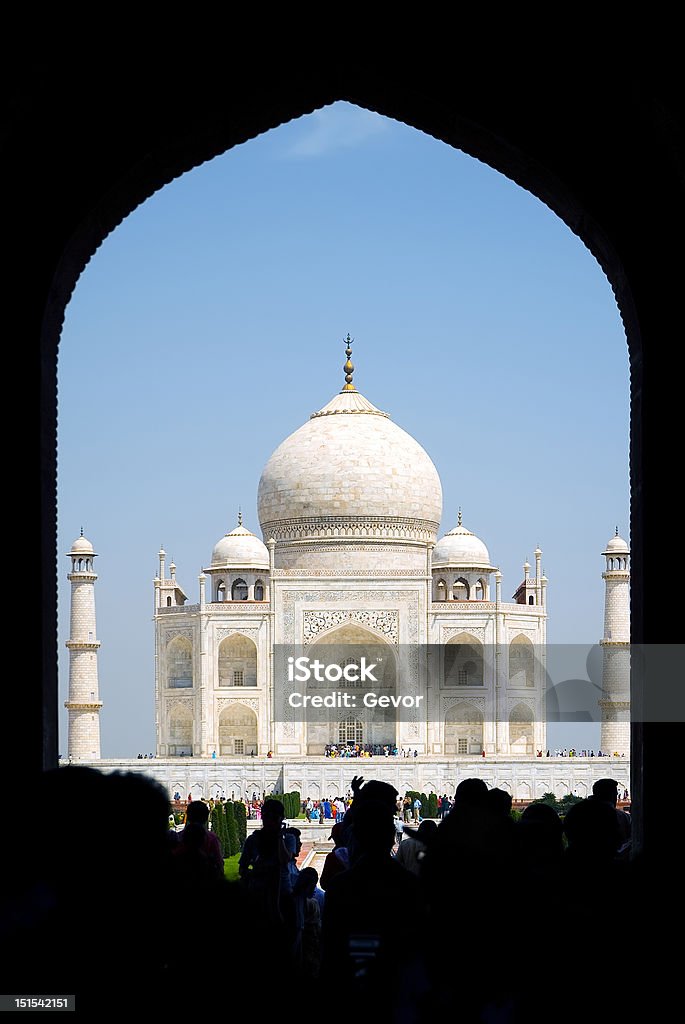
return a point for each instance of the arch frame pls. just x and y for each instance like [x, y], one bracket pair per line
[573, 160]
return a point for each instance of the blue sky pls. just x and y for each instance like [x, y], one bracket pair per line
[209, 326]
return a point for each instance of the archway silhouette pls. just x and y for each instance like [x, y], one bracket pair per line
[93, 174]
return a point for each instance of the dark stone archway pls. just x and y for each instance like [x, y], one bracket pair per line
[89, 136]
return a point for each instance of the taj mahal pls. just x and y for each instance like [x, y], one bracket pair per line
[350, 507]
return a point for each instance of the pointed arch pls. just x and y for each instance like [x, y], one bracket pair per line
[239, 590]
[521, 728]
[237, 661]
[463, 661]
[179, 663]
[463, 729]
[521, 662]
[361, 640]
[461, 590]
[237, 730]
[180, 731]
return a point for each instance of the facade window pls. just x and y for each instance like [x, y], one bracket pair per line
[350, 731]
[179, 664]
[462, 677]
[259, 591]
[461, 590]
[348, 683]
[239, 746]
[168, 602]
[239, 678]
[239, 591]
[221, 591]
[462, 747]
[531, 599]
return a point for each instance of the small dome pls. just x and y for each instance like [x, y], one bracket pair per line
[461, 548]
[82, 546]
[240, 548]
[617, 545]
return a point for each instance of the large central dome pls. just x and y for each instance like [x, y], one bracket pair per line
[350, 472]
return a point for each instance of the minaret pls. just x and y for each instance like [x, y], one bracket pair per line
[615, 702]
[84, 700]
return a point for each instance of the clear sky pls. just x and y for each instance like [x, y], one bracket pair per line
[209, 326]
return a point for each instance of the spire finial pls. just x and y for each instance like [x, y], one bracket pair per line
[82, 531]
[459, 517]
[240, 515]
[349, 365]
[616, 534]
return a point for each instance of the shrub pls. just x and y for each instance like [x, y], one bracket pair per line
[233, 840]
[240, 815]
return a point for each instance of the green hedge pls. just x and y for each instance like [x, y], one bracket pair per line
[218, 827]
[429, 803]
[292, 803]
[232, 829]
[240, 815]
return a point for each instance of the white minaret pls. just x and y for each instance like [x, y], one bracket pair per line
[84, 700]
[615, 702]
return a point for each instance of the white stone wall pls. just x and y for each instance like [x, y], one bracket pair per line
[321, 777]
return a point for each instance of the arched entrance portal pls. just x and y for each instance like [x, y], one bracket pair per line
[365, 727]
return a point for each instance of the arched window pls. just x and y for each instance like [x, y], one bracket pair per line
[168, 602]
[521, 662]
[237, 661]
[521, 730]
[221, 591]
[463, 730]
[461, 590]
[239, 591]
[480, 590]
[179, 661]
[180, 731]
[237, 730]
[531, 599]
[463, 661]
[259, 591]
[442, 590]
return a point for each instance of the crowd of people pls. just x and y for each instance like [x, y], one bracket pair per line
[411, 918]
[368, 750]
[572, 752]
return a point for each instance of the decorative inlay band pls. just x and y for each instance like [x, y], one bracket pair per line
[344, 527]
[383, 622]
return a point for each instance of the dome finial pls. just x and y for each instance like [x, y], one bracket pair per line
[459, 517]
[616, 534]
[349, 365]
[240, 515]
[82, 531]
